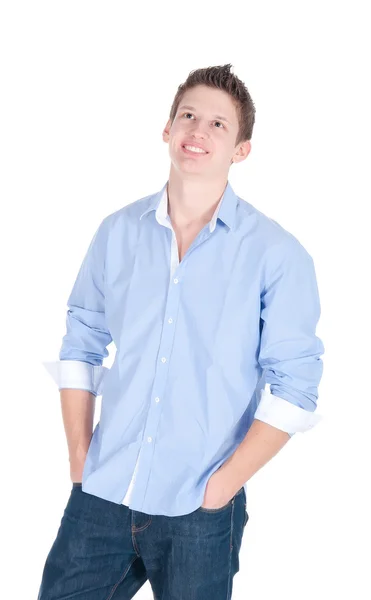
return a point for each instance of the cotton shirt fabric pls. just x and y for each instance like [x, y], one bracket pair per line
[203, 347]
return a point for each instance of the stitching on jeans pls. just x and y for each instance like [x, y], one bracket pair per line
[134, 542]
[121, 579]
[136, 529]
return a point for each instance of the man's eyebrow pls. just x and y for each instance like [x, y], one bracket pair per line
[193, 108]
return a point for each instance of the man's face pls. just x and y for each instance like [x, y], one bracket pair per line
[206, 118]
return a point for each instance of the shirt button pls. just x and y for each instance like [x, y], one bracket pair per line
[163, 359]
[176, 280]
[149, 439]
[157, 399]
[170, 320]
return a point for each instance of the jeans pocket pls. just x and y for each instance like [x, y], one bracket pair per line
[221, 508]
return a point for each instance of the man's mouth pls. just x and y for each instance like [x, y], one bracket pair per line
[189, 149]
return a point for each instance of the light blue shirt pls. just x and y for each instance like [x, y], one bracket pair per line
[203, 347]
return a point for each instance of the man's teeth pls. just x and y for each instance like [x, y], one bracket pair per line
[194, 149]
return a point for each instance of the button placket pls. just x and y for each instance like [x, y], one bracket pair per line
[159, 385]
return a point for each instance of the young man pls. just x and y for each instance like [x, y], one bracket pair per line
[213, 309]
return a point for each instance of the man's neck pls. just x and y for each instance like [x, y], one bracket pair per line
[192, 201]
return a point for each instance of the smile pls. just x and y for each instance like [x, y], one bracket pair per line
[193, 150]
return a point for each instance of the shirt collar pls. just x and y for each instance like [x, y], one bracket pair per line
[225, 210]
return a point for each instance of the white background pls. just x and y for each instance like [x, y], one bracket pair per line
[86, 89]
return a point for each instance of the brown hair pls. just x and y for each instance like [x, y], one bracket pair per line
[221, 77]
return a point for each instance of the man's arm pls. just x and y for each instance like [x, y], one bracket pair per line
[290, 357]
[260, 444]
[290, 351]
[79, 373]
[78, 408]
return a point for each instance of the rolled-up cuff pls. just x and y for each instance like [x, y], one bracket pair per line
[76, 374]
[283, 414]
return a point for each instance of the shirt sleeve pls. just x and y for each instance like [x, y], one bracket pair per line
[84, 346]
[290, 351]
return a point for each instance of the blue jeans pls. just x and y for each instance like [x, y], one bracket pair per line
[107, 551]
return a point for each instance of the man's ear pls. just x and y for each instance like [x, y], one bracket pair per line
[242, 152]
[166, 131]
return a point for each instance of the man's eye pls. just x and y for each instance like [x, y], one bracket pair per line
[188, 113]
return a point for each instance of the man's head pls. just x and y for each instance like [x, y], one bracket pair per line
[212, 110]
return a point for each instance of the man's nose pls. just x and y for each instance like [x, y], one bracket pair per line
[200, 130]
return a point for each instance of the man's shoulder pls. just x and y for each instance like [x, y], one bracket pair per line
[270, 232]
[127, 216]
[133, 209]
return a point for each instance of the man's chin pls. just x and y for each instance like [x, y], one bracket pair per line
[195, 172]
[190, 166]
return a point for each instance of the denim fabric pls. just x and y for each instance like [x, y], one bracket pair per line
[104, 550]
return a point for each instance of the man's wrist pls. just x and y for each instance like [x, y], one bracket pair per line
[78, 455]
